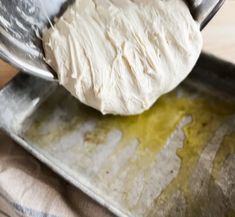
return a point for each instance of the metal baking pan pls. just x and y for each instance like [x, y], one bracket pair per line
[177, 159]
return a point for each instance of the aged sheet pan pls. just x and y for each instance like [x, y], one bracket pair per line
[177, 159]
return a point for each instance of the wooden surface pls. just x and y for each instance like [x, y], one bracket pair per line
[219, 35]
[219, 39]
[6, 72]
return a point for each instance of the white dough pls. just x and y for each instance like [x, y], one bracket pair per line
[120, 56]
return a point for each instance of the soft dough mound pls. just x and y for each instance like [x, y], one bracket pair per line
[120, 56]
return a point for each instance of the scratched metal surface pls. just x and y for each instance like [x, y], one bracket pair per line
[177, 159]
[21, 25]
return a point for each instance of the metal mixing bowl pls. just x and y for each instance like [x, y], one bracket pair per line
[22, 21]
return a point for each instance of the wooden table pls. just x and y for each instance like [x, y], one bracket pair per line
[219, 35]
[219, 39]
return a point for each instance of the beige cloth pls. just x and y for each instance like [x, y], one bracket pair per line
[30, 189]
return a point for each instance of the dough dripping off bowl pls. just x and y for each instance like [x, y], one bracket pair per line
[120, 56]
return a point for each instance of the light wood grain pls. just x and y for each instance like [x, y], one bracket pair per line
[219, 35]
[7, 72]
[219, 39]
